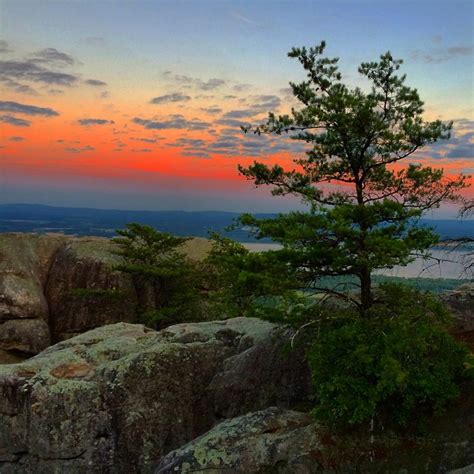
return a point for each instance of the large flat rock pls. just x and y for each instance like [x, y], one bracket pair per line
[119, 397]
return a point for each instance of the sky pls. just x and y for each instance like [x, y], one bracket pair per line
[138, 104]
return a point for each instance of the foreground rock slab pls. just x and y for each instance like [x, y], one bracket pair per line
[287, 442]
[263, 441]
[119, 397]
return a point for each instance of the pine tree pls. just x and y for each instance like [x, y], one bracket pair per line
[364, 203]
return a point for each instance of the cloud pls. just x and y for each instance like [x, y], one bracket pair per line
[93, 121]
[172, 122]
[242, 87]
[16, 139]
[196, 154]
[146, 140]
[142, 150]
[4, 48]
[236, 114]
[15, 107]
[258, 105]
[30, 71]
[441, 54]
[17, 86]
[79, 149]
[210, 84]
[17, 122]
[53, 57]
[95, 82]
[461, 144]
[183, 141]
[266, 101]
[229, 122]
[244, 19]
[462, 151]
[211, 110]
[168, 98]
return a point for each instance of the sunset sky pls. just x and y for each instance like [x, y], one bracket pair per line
[138, 104]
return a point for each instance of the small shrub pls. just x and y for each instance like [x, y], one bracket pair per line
[396, 364]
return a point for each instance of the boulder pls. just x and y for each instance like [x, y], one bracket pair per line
[264, 441]
[84, 290]
[25, 260]
[287, 442]
[118, 398]
[461, 304]
[27, 336]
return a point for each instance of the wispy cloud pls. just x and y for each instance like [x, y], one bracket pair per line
[440, 55]
[211, 110]
[17, 122]
[94, 121]
[244, 18]
[146, 140]
[15, 107]
[209, 85]
[95, 82]
[169, 98]
[30, 71]
[52, 57]
[79, 149]
[172, 122]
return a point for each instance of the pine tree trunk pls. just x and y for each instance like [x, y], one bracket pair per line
[365, 290]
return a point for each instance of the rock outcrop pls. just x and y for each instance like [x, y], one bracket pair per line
[461, 304]
[119, 397]
[288, 442]
[109, 295]
[271, 440]
[53, 287]
[25, 260]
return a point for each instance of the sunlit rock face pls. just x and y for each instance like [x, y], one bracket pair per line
[25, 260]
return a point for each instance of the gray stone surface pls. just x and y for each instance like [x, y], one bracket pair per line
[117, 398]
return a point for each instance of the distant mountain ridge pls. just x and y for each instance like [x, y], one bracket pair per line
[104, 222]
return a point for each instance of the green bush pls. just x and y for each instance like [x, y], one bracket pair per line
[396, 364]
[244, 283]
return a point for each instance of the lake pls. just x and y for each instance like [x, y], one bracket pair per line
[444, 264]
